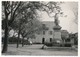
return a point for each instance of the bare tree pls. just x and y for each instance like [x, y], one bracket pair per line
[75, 11]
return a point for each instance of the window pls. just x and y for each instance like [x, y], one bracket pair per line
[38, 33]
[67, 40]
[43, 25]
[50, 32]
[43, 32]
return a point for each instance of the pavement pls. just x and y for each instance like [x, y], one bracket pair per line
[35, 50]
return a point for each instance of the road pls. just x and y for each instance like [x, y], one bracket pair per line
[37, 51]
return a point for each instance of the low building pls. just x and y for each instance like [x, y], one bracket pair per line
[69, 39]
[74, 38]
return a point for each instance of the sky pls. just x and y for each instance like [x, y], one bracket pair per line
[68, 22]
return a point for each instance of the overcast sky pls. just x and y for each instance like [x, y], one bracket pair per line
[67, 23]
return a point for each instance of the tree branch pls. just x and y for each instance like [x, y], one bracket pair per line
[12, 17]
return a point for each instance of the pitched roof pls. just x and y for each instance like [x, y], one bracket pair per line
[51, 24]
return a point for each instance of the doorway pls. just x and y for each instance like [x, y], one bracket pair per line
[50, 39]
[43, 40]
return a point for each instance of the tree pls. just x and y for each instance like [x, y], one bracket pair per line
[9, 12]
[24, 17]
[64, 36]
[30, 29]
[75, 12]
[12, 9]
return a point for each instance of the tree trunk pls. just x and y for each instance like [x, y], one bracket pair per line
[23, 42]
[18, 39]
[5, 42]
[63, 42]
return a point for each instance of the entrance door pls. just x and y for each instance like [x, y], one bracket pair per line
[43, 40]
[50, 39]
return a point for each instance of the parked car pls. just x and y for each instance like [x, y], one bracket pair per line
[28, 42]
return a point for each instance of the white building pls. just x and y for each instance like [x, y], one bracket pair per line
[50, 33]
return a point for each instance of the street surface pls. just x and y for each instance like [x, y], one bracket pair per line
[36, 50]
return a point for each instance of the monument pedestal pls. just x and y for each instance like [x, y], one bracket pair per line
[57, 34]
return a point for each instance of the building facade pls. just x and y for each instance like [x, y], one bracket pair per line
[50, 33]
